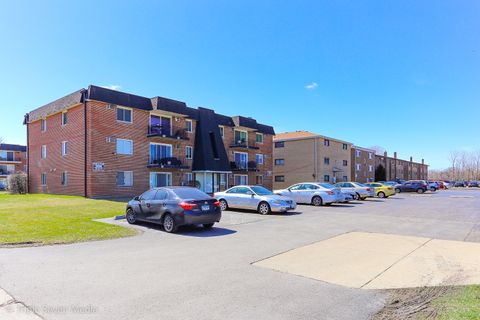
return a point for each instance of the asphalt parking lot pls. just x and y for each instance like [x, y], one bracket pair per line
[198, 274]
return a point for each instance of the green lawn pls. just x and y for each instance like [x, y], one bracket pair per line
[461, 304]
[48, 219]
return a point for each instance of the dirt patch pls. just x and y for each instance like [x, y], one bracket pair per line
[415, 303]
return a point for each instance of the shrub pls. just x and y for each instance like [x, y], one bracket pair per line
[17, 183]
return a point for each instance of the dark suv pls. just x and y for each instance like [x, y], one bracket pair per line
[418, 186]
[173, 207]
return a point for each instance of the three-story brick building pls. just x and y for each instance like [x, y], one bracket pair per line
[98, 142]
[12, 160]
[399, 169]
[363, 164]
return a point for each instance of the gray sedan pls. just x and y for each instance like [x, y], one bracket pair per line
[360, 191]
[254, 198]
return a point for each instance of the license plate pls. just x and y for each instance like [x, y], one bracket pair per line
[205, 208]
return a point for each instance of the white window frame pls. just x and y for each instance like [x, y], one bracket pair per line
[125, 185]
[246, 135]
[261, 178]
[162, 116]
[239, 152]
[241, 176]
[43, 183]
[124, 108]
[358, 153]
[222, 131]
[370, 155]
[191, 125]
[165, 173]
[159, 144]
[43, 125]
[64, 148]
[191, 152]
[358, 167]
[261, 156]
[64, 116]
[64, 181]
[259, 134]
[44, 152]
[188, 177]
[116, 147]
[370, 168]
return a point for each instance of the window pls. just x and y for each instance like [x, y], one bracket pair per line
[279, 162]
[125, 178]
[159, 151]
[259, 158]
[188, 152]
[259, 180]
[44, 152]
[344, 146]
[345, 163]
[43, 125]
[345, 178]
[279, 178]
[188, 179]
[326, 142]
[124, 146]
[160, 179]
[64, 178]
[240, 137]
[43, 179]
[326, 161]
[64, 118]
[7, 156]
[240, 179]
[160, 125]
[357, 153]
[64, 148]
[326, 178]
[259, 138]
[189, 126]
[370, 168]
[222, 131]
[241, 160]
[124, 114]
[358, 166]
[370, 155]
[279, 144]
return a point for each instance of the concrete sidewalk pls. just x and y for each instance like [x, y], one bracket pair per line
[382, 261]
[10, 309]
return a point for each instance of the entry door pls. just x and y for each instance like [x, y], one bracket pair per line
[160, 179]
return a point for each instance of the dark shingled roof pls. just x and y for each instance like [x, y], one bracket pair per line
[57, 105]
[12, 147]
[170, 105]
[120, 98]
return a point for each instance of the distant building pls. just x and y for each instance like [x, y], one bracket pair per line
[12, 160]
[398, 169]
[363, 164]
[303, 156]
[98, 142]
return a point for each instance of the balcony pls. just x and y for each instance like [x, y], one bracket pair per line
[159, 131]
[243, 166]
[9, 159]
[242, 144]
[6, 172]
[167, 163]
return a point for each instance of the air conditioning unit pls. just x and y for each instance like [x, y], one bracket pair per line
[111, 139]
[111, 106]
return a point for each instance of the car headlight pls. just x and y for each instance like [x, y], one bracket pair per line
[277, 202]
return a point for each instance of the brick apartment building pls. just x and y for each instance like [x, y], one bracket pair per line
[398, 169]
[13, 159]
[98, 142]
[362, 164]
[302, 156]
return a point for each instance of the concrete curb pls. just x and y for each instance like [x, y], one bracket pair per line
[11, 309]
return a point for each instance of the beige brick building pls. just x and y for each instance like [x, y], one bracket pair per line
[305, 156]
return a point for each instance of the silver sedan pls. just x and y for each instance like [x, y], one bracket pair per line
[360, 191]
[254, 198]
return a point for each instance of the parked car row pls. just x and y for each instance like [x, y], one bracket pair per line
[173, 207]
[467, 184]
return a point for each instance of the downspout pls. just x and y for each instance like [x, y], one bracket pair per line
[84, 98]
[26, 122]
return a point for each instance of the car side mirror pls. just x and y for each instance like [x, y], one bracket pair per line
[137, 198]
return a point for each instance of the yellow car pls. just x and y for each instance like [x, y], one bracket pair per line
[381, 190]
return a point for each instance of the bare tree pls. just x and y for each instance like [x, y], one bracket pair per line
[1, 140]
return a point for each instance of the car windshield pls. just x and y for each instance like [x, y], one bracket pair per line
[327, 185]
[190, 193]
[360, 184]
[261, 191]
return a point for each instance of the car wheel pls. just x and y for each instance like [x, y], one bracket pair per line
[420, 190]
[169, 224]
[317, 201]
[263, 208]
[356, 196]
[397, 190]
[363, 198]
[130, 216]
[223, 205]
[381, 195]
[208, 225]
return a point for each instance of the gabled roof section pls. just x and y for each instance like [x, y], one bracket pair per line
[118, 98]
[12, 147]
[247, 122]
[300, 135]
[57, 105]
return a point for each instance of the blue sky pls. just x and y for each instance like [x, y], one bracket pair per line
[404, 75]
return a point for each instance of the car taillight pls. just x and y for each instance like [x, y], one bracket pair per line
[187, 206]
[216, 203]
[330, 193]
[390, 188]
[368, 189]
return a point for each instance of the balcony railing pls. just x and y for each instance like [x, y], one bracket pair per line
[10, 159]
[169, 163]
[164, 132]
[4, 172]
[243, 166]
[242, 144]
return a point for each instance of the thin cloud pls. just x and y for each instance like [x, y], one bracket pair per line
[113, 87]
[311, 86]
